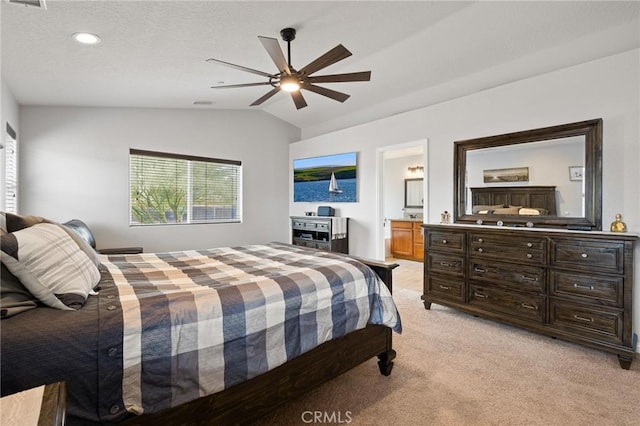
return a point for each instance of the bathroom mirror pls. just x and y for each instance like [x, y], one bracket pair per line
[414, 193]
[547, 177]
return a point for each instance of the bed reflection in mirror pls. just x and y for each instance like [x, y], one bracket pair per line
[548, 164]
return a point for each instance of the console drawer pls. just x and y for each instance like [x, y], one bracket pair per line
[594, 322]
[588, 254]
[523, 306]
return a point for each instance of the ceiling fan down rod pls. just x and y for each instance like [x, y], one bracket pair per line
[288, 35]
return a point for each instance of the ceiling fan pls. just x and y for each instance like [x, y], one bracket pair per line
[291, 80]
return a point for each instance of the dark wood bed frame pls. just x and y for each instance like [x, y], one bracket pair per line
[526, 196]
[254, 398]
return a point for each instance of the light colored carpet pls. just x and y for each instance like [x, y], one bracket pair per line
[456, 369]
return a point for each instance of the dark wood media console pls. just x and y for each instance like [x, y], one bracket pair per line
[571, 285]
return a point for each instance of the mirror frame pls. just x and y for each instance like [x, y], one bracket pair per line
[406, 187]
[590, 129]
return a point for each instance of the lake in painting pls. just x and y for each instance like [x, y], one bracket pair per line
[319, 191]
[331, 178]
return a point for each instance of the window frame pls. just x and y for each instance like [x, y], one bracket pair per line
[11, 177]
[190, 159]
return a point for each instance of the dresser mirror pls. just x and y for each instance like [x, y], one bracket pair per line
[414, 193]
[549, 177]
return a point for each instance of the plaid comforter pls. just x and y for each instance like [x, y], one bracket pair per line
[197, 322]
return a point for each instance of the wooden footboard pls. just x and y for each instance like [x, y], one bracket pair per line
[254, 398]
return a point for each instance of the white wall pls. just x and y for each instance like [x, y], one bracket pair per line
[75, 164]
[8, 114]
[608, 88]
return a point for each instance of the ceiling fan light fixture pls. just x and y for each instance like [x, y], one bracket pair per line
[289, 83]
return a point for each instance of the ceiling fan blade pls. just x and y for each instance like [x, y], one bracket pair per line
[298, 99]
[265, 97]
[241, 68]
[336, 54]
[231, 86]
[338, 96]
[340, 78]
[277, 56]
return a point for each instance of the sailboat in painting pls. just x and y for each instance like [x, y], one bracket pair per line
[333, 185]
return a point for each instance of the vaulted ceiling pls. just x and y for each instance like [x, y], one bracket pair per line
[153, 53]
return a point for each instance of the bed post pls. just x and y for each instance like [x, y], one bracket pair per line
[385, 272]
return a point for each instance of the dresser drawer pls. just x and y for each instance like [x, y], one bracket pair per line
[444, 264]
[587, 321]
[523, 306]
[526, 242]
[512, 253]
[522, 278]
[446, 240]
[443, 287]
[592, 287]
[588, 254]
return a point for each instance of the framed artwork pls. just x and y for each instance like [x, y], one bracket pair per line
[330, 178]
[516, 174]
[576, 173]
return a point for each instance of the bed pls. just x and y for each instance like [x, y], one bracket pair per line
[518, 200]
[217, 336]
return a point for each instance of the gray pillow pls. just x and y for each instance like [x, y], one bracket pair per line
[50, 264]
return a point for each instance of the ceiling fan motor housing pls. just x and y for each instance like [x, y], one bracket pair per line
[288, 34]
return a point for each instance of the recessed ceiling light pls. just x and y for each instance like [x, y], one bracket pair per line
[86, 38]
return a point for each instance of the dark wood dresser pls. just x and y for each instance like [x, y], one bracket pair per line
[572, 285]
[320, 232]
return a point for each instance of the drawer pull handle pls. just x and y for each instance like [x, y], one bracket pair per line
[482, 271]
[480, 295]
[526, 278]
[444, 241]
[529, 255]
[444, 287]
[579, 318]
[584, 255]
[447, 264]
[480, 250]
[528, 306]
[529, 245]
[480, 240]
[584, 287]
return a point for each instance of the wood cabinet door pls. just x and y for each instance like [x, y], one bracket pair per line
[402, 241]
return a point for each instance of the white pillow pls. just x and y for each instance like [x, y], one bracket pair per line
[533, 212]
[51, 265]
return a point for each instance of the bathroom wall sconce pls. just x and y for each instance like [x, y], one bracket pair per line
[415, 169]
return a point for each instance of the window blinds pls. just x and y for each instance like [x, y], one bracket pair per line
[173, 188]
[10, 172]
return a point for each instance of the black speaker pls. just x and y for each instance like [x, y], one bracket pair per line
[326, 211]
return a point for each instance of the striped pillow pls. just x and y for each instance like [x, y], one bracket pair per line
[50, 264]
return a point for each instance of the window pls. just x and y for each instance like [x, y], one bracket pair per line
[173, 188]
[11, 171]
